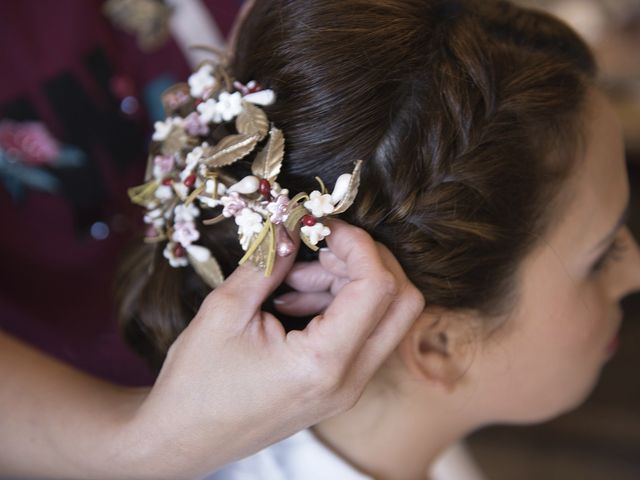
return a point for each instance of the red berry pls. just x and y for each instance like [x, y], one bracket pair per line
[265, 188]
[190, 181]
[309, 220]
[167, 181]
[179, 251]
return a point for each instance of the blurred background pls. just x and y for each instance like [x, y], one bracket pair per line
[600, 440]
[79, 90]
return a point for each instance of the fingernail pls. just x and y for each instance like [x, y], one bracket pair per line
[325, 249]
[279, 301]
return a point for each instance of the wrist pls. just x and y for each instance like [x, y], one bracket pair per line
[153, 446]
[140, 449]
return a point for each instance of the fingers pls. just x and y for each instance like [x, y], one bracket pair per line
[355, 314]
[301, 304]
[315, 289]
[361, 303]
[332, 263]
[245, 290]
[310, 277]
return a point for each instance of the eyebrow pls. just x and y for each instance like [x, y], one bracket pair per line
[624, 218]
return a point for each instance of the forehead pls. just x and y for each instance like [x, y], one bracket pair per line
[599, 189]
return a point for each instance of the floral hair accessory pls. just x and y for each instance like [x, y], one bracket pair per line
[186, 175]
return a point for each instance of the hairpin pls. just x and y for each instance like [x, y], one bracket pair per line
[186, 174]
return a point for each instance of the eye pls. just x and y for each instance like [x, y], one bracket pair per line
[613, 253]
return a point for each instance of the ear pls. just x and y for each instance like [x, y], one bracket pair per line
[439, 347]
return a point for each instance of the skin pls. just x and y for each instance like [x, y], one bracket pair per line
[447, 378]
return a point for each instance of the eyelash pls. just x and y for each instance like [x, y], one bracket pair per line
[614, 252]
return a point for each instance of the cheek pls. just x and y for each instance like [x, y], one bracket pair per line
[550, 356]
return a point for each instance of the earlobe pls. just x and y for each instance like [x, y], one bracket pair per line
[438, 348]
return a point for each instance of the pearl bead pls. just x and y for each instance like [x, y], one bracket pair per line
[285, 245]
[247, 185]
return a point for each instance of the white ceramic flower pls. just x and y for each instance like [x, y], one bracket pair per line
[185, 213]
[194, 156]
[181, 189]
[319, 205]
[162, 129]
[164, 192]
[210, 185]
[209, 202]
[201, 81]
[316, 233]
[208, 111]
[152, 215]
[249, 224]
[185, 233]
[174, 260]
[229, 106]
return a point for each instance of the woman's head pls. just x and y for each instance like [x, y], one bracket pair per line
[474, 120]
[545, 357]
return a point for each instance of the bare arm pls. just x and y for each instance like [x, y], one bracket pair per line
[58, 420]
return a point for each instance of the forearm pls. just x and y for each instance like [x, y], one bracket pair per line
[57, 422]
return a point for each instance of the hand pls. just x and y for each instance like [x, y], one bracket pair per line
[234, 381]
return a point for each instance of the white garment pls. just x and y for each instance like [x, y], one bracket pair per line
[303, 457]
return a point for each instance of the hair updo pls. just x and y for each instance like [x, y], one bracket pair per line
[467, 115]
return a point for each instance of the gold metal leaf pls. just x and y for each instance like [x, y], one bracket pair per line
[148, 174]
[230, 149]
[252, 120]
[209, 271]
[214, 220]
[262, 250]
[269, 161]
[308, 243]
[176, 142]
[260, 257]
[352, 190]
[295, 214]
[143, 194]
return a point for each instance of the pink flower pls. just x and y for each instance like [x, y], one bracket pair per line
[279, 209]
[29, 142]
[194, 126]
[185, 233]
[163, 165]
[232, 204]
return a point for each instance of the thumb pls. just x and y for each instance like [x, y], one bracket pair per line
[249, 287]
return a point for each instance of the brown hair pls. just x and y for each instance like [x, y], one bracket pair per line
[467, 115]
